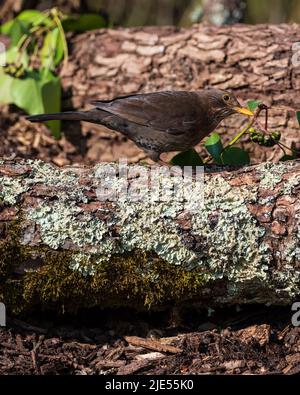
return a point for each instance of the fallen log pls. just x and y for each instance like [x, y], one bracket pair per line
[64, 246]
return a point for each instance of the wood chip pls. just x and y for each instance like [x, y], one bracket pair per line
[149, 356]
[152, 344]
[133, 367]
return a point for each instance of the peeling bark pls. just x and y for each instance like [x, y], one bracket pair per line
[61, 246]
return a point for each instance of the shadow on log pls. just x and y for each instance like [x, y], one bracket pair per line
[63, 247]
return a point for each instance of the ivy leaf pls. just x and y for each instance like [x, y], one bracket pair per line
[6, 27]
[235, 156]
[37, 93]
[15, 31]
[253, 104]
[84, 22]
[298, 117]
[5, 91]
[26, 93]
[187, 158]
[28, 16]
[51, 97]
[35, 18]
[214, 146]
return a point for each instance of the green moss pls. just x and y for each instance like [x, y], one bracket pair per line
[10, 250]
[11, 254]
[136, 279]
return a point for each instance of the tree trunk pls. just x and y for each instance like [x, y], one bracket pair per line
[255, 62]
[62, 246]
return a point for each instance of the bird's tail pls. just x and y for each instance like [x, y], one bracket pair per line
[95, 116]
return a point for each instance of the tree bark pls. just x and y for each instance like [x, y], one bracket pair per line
[255, 62]
[64, 247]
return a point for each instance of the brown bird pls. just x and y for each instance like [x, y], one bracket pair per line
[162, 121]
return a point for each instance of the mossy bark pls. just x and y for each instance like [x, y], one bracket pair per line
[63, 248]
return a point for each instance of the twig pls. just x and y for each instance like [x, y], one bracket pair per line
[289, 148]
[152, 344]
[266, 119]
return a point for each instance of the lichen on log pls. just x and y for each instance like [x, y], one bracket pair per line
[62, 247]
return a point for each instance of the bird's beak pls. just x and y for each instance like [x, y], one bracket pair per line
[244, 111]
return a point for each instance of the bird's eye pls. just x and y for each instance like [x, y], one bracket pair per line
[226, 98]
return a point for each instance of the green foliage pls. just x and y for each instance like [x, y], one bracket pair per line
[253, 104]
[52, 51]
[5, 83]
[81, 23]
[220, 155]
[187, 158]
[235, 156]
[214, 146]
[35, 37]
[37, 47]
[285, 158]
[263, 139]
[298, 116]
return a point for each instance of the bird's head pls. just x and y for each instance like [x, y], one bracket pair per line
[222, 104]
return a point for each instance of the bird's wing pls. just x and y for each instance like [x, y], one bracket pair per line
[171, 112]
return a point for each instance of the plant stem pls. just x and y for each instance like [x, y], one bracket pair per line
[245, 130]
[289, 148]
[62, 33]
[238, 136]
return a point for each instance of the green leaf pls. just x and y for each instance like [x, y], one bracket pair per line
[52, 50]
[298, 117]
[6, 87]
[12, 55]
[29, 15]
[235, 156]
[253, 104]
[6, 27]
[51, 97]
[187, 158]
[287, 157]
[35, 18]
[82, 23]
[214, 146]
[38, 93]
[16, 31]
[26, 93]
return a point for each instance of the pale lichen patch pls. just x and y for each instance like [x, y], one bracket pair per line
[82, 263]
[234, 242]
[11, 189]
[271, 174]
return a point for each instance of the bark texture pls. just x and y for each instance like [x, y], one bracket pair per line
[62, 246]
[255, 62]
